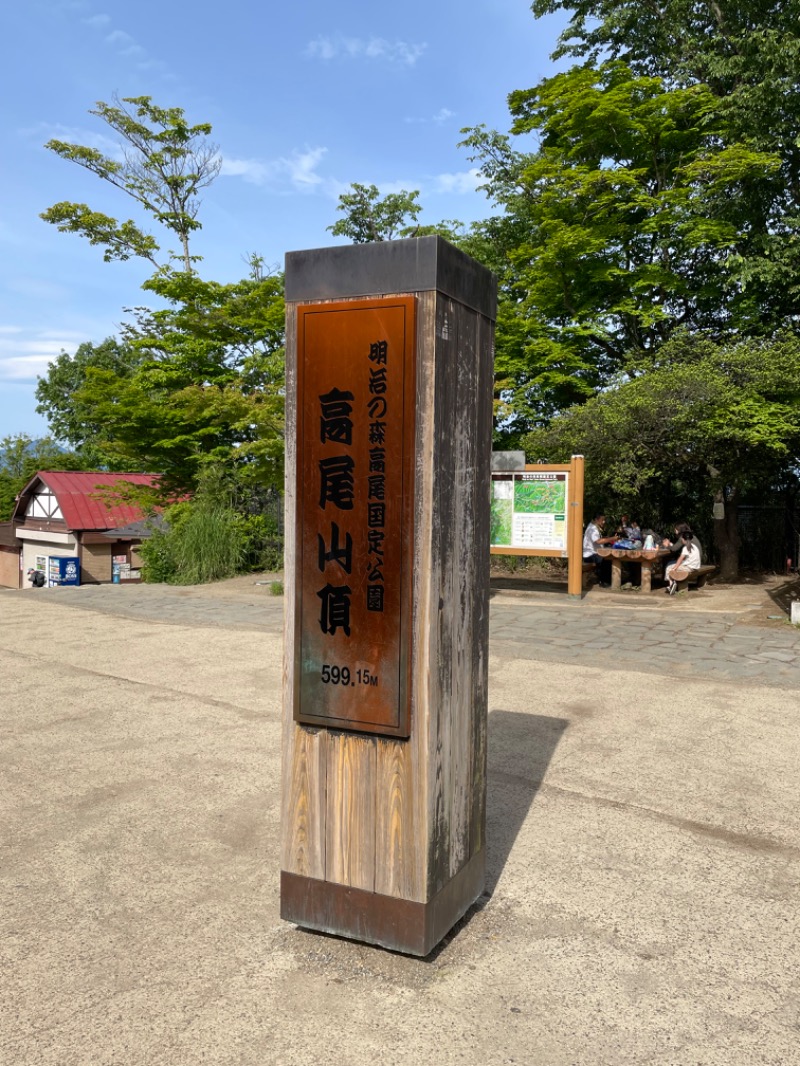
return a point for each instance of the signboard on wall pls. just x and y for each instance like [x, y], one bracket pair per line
[355, 448]
[529, 510]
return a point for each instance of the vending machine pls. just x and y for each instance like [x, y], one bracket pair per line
[63, 570]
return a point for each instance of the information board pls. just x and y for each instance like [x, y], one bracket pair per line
[355, 447]
[529, 510]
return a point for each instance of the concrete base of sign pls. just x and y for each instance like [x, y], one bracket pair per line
[396, 924]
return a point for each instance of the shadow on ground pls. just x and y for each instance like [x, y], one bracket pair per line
[784, 595]
[526, 584]
[520, 749]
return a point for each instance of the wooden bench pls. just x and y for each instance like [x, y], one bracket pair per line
[586, 572]
[698, 577]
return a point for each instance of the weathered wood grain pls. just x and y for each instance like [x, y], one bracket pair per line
[439, 754]
[399, 858]
[304, 798]
[465, 577]
[426, 588]
[480, 605]
[350, 809]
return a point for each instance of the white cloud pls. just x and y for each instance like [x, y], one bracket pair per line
[50, 131]
[24, 367]
[120, 37]
[249, 169]
[128, 47]
[302, 166]
[402, 52]
[441, 116]
[26, 359]
[298, 170]
[464, 182]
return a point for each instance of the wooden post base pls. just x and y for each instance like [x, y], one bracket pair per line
[397, 924]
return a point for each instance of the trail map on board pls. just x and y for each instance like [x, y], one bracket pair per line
[529, 510]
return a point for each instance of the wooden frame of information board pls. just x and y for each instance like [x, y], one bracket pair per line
[573, 517]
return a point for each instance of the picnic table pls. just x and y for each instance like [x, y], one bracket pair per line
[647, 559]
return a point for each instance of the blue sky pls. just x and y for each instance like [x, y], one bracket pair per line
[304, 98]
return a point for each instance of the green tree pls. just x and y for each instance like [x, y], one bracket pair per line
[369, 217]
[696, 420]
[617, 229]
[198, 379]
[77, 425]
[747, 56]
[21, 456]
[164, 164]
[207, 387]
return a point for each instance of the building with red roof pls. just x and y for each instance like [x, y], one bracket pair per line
[76, 514]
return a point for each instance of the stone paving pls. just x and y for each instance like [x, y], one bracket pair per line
[675, 642]
[695, 644]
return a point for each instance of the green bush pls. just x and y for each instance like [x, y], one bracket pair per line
[203, 543]
[158, 560]
[224, 530]
[210, 545]
[264, 542]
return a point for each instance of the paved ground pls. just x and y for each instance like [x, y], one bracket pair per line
[706, 635]
[644, 859]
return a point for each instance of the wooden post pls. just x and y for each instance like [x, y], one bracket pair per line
[575, 549]
[389, 415]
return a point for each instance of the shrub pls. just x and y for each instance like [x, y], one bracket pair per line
[203, 543]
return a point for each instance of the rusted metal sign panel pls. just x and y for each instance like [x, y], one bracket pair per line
[355, 451]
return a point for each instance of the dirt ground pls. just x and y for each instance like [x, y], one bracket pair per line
[643, 846]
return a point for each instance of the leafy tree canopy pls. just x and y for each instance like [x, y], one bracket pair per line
[21, 456]
[163, 164]
[199, 379]
[65, 376]
[619, 227]
[721, 418]
[202, 382]
[747, 56]
[369, 217]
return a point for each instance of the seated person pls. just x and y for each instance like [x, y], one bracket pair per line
[680, 529]
[592, 539]
[688, 560]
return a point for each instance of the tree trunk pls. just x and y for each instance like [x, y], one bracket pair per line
[726, 532]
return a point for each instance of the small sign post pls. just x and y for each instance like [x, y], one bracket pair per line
[389, 419]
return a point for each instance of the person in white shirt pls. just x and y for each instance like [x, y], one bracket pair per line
[688, 560]
[683, 527]
[592, 537]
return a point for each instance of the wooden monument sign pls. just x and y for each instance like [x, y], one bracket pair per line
[389, 404]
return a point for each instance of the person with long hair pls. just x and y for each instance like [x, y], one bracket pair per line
[687, 561]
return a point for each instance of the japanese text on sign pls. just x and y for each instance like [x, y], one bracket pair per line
[355, 466]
